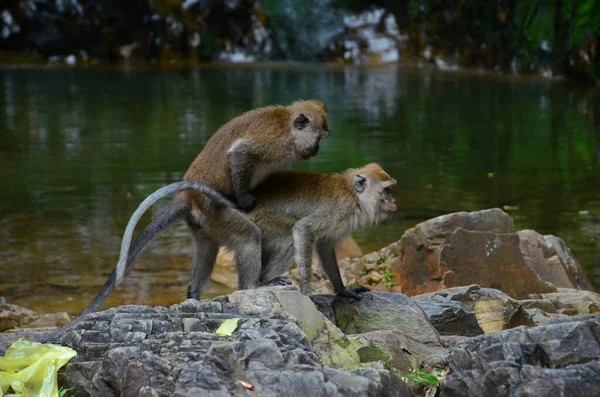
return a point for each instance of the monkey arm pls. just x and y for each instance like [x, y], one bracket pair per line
[242, 158]
[326, 253]
[250, 161]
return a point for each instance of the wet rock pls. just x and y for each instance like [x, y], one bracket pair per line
[555, 359]
[378, 311]
[450, 317]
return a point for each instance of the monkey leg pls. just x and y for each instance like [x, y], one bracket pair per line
[234, 230]
[280, 253]
[203, 260]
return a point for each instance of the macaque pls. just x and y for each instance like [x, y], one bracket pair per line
[240, 155]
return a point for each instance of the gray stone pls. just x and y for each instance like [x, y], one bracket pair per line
[279, 347]
[378, 311]
[450, 317]
[548, 360]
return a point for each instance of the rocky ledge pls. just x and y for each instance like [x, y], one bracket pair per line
[485, 342]
[542, 339]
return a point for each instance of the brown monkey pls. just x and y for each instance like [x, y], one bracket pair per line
[235, 159]
[299, 212]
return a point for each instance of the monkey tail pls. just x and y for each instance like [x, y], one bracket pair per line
[172, 213]
[148, 202]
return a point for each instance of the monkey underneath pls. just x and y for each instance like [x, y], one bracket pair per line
[236, 158]
[298, 212]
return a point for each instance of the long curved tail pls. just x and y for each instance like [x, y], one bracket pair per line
[148, 202]
[174, 212]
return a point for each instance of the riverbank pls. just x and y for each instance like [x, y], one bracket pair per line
[547, 39]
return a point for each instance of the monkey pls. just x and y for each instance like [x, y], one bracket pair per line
[240, 154]
[296, 212]
[301, 212]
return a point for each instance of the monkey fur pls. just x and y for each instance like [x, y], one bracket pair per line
[235, 159]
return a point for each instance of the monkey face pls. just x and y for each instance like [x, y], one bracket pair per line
[374, 188]
[388, 203]
[309, 127]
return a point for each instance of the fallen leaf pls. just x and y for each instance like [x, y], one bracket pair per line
[228, 326]
[247, 385]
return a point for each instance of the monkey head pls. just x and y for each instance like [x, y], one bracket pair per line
[373, 187]
[309, 126]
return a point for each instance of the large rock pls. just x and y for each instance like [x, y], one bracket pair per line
[282, 346]
[450, 317]
[559, 359]
[477, 248]
[552, 260]
[378, 311]
[495, 311]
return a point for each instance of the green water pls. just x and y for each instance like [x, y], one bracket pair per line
[79, 149]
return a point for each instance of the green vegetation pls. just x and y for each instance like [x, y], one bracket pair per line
[551, 37]
[521, 35]
[63, 392]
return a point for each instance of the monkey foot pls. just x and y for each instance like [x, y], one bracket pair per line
[353, 292]
[246, 202]
[279, 280]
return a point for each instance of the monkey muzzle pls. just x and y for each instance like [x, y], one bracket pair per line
[311, 151]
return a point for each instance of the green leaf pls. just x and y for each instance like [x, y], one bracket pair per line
[63, 392]
[228, 327]
[423, 378]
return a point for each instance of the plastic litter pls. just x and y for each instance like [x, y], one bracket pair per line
[30, 369]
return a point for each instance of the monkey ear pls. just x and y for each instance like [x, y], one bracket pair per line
[360, 183]
[301, 121]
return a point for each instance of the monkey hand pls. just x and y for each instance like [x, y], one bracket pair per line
[246, 202]
[353, 292]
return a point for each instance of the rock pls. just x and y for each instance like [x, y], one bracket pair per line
[550, 258]
[493, 309]
[378, 311]
[450, 317]
[283, 346]
[482, 248]
[393, 348]
[13, 316]
[549, 360]
[496, 311]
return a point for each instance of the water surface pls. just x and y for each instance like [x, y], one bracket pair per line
[79, 150]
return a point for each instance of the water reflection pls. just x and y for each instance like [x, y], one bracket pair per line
[79, 149]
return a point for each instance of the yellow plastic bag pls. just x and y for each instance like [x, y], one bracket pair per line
[30, 369]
